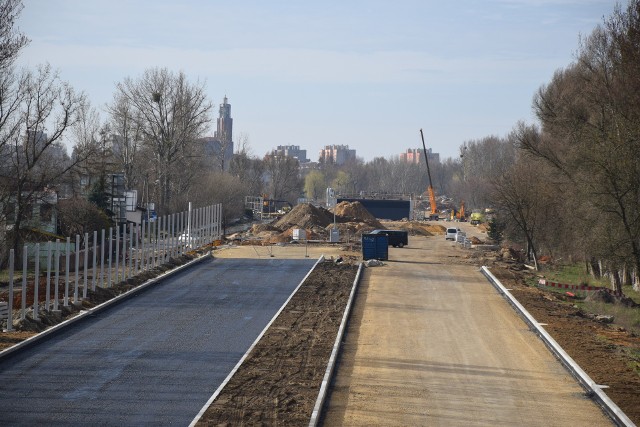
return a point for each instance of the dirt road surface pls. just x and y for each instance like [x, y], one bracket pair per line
[432, 343]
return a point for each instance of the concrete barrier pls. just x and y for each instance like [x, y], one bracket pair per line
[593, 389]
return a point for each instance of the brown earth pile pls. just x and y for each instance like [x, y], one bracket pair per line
[483, 227]
[356, 212]
[476, 241]
[435, 229]
[259, 228]
[305, 216]
[354, 229]
[414, 228]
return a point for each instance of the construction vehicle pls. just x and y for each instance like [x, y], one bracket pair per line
[461, 215]
[274, 207]
[433, 215]
[476, 217]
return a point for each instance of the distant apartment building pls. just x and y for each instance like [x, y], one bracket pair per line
[337, 154]
[291, 151]
[416, 156]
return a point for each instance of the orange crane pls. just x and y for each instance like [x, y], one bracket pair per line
[432, 196]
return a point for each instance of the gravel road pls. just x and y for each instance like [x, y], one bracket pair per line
[430, 342]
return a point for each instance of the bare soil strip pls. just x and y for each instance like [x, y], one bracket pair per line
[278, 382]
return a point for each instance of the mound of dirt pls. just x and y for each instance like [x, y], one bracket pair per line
[259, 228]
[356, 212]
[414, 228]
[476, 241]
[305, 216]
[483, 227]
[435, 229]
[352, 229]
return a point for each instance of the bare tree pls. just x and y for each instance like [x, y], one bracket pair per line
[521, 195]
[127, 138]
[284, 180]
[247, 168]
[171, 114]
[590, 115]
[11, 41]
[41, 109]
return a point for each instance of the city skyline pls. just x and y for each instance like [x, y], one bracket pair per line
[363, 73]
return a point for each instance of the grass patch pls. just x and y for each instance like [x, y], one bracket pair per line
[626, 317]
[634, 295]
[575, 274]
[634, 355]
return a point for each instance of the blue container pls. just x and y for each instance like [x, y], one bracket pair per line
[375, 246]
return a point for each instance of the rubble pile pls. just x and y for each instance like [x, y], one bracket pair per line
[353, 220]
[305, 216]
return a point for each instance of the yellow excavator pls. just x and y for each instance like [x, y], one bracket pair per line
[433, 215]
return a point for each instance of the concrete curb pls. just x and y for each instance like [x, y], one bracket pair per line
[595, 390]
[48, 333]
[255, 342]
[328, 375]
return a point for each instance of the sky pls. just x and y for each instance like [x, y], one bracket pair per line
[364, 73]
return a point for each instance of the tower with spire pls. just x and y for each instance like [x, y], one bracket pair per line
[220, 147]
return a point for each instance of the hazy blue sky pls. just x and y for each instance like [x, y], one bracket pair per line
[368, 74]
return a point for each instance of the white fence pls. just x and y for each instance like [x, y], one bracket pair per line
[108, 258]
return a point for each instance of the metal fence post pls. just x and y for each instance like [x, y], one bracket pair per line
[142, 246]
[86, 265]
[124, 253]
[130, 268]
[163, 227]
[47, 300]
[117, 254]
[10, 302]
[56, 297]
[156, 253]
[102, 260]
[75, 289]
[135, 266]
[95, 256]
[36, 282]
[23, 298]
[109, 257]
[171, 246]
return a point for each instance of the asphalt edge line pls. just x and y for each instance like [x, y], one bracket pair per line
[255, 342]
[609, 407]
[47, 333]
[328, 375]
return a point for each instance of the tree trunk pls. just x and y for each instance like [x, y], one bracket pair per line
[616, 284]
[594, 268]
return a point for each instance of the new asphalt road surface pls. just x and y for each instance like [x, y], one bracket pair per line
[153, 359]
